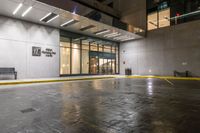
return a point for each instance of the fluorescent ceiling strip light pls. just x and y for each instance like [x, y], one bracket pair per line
[102, 32]
[111, 34]
[45, 16]
[18, 8]
[87, 27]
[27, 11]
[120, 37]
[53, 18]
[114, 35]
[70, 21]
[128, 39]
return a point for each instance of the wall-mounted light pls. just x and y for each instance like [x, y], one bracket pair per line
[18, 8]
[27, 11]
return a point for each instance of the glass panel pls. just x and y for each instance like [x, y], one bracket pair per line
[109, 66]
[64, 39]
[101, 67]
[85, 47]
[85, 61]
[105, 66]
[75, 61]
[85, 44]
[101, 48]
[113, 49]
[153, 21]
[94, 65]
[74, 45]
[65, 44]
[164, 18]
[117, 60]
[93, 48]
[107, 47]
[113, 66]
[65, 60]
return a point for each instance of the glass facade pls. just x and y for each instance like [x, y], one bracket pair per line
[86, 55]
[162, 13]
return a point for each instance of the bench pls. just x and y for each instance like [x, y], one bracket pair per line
[181, 74]
[8, 71]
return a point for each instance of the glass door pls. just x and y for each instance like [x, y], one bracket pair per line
[94, 65]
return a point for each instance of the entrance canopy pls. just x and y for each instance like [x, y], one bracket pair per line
[37, 12]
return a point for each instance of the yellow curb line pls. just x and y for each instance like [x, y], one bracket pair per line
[167, 77]
[49, 81]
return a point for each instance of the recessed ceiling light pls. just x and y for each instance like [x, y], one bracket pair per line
[27, 11]
[120, 37]
[45, 16]
[87, 27]
[18, 8]
[49, 17]
[53, 18]
[102, 32]
[128, 39]
[70, 22]
[112, 35]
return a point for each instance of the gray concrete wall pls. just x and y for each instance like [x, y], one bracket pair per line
[16, 41]
[164, 50]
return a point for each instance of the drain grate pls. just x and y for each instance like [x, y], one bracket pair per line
[28, 110]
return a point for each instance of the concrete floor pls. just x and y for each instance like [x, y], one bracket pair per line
[102, 106]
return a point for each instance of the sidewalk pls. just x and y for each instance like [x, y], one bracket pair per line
[76, 78]
[59, 79]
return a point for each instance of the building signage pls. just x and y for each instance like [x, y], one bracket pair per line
[37, 51]
[48, 52]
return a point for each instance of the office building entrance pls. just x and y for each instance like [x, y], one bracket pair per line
[88, 56]
[102, 63]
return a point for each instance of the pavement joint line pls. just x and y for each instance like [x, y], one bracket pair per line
[52, 80]
[169, 82]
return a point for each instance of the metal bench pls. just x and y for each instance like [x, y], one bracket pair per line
[181, 74]
[8, 71]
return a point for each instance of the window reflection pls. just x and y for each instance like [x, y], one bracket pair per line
[159, 19]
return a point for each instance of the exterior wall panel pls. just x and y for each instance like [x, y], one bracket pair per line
[16, 41]
[163, 51]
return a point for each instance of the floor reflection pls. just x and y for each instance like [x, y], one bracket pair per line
[102, 106]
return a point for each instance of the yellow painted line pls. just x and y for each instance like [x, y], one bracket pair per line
[169, 81]
[53, 80]
[165, 77]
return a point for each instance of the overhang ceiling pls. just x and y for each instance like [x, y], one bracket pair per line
[62, 20]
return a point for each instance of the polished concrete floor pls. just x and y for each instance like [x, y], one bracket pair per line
[102, 106]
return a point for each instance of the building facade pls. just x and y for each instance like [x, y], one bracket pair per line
[37, 51]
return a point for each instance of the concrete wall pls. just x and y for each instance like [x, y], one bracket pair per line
[164, 50]
[16, 41]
